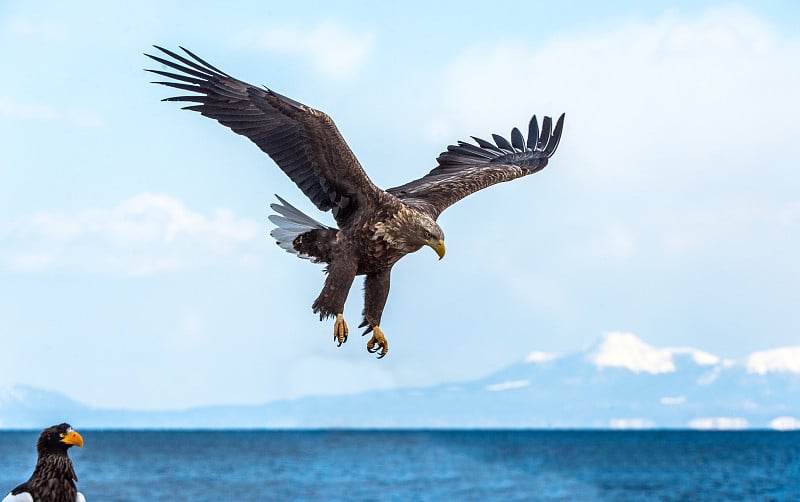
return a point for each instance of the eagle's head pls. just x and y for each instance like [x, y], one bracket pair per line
[57, 439]
[409, 229]
[431, 234]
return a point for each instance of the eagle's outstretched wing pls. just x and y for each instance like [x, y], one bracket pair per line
[466, 168]
[304, 142]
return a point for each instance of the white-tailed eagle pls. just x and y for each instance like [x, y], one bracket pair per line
[376, 227]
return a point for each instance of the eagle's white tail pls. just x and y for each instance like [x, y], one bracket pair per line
[289, 223]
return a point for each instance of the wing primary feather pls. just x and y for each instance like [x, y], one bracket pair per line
[178, 85]
[517, 140]
[176, 66]
[188, 62]
[556, 137]
[544, 137]
[470, 150]
[485, 144]
[533, 133]
[176, 76]
[203, 61]
[193, 97]
[502, 142]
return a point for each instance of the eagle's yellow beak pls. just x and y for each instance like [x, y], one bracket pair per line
[73, 438]
[437, 246]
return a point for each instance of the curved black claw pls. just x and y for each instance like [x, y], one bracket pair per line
[377, 343]
[340, 330]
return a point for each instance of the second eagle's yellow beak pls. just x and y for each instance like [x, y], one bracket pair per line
[437, 246]
[73, 438]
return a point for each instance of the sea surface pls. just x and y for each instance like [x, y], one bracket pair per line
[423, 465]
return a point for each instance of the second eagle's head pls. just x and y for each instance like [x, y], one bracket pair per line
[58, 439]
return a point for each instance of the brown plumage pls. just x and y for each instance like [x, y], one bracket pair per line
[375, 227]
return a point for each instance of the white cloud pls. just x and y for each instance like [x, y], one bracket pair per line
[331, 49]
[672, 401]
[785, 424]
[143, 235]
[658, 136]
[32, 111]
[780, 360]
[631, 423]
[699, 357]
[711, 376]
[31, 261]
[540, 357]
[655, 102]
[626, 350]
[79, 117]
[39, 29]
[731, 224]
[144, 219]
[651, 129]
[511, 384]
[718, 423]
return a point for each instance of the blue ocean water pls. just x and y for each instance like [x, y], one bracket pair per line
[424, 465]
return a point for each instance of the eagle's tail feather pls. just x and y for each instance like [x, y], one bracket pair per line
[290, 223]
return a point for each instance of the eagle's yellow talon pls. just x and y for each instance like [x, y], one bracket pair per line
[377, 343]
[340, 330]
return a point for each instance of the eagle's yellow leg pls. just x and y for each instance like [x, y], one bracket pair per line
[340, 330]
[377, 343]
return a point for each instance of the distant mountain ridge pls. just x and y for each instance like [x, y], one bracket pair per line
[620, 382]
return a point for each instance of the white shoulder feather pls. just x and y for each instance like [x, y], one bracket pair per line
[20, 497]
[26, 497]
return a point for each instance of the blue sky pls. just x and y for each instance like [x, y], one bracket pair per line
[136, 268]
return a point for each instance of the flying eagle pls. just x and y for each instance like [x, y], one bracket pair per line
[375, 227]
[54, 477]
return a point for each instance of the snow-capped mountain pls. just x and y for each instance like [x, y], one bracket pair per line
[620, 382]
[624, 382]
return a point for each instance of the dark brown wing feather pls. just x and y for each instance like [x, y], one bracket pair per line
[466, 168]
[304, 142]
